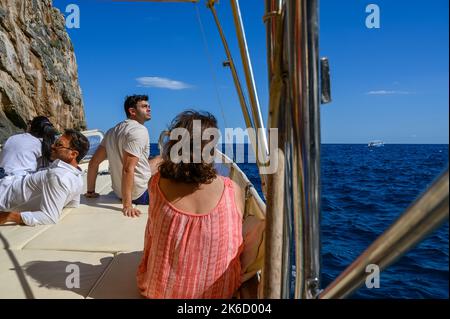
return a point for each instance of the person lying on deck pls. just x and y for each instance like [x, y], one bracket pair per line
[38, 198]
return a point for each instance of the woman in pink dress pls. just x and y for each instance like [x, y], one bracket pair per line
[193, 239]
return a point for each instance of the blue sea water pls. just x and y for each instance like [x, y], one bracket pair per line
[364, 190]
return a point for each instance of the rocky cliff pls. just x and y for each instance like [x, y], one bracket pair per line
[38, 70]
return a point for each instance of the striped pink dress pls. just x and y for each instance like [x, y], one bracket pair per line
[191, 255]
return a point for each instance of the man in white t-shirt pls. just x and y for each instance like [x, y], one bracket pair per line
[127, 148]
[38, 198]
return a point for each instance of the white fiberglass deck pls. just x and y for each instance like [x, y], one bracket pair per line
[36, 262]
[97, 240]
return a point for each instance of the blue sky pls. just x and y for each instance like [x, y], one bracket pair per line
[389, 83]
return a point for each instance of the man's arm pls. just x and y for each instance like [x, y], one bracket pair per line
[129, 164]
[10, 217]
[94, 163]
[55, 193]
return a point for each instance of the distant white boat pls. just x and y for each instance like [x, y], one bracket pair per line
[375, 144]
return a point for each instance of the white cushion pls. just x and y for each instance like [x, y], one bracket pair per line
[43, 274]
[119, 280]
[101, 231]
[15, 236]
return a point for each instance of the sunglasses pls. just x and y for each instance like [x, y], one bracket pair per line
[58, 144]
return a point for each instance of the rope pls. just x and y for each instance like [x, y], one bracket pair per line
[213, 74]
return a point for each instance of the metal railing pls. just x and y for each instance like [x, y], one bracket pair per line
[253, 119]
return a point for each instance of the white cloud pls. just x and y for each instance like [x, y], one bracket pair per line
[157, 82]
[387, 92]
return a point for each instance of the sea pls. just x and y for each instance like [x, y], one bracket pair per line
[363, 191]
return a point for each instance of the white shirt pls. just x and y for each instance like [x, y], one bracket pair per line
[40, 197]
[132, 137]
[21, 154]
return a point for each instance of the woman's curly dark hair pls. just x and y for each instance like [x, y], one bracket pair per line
[191, 172]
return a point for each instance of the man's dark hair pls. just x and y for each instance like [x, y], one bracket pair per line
[131, 102]
[78, 142]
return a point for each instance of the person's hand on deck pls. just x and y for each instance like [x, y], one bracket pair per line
[131, 211]
[3, 218]
[10, 217]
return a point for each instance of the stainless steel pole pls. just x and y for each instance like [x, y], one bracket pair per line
[249, 78]
[247, 118]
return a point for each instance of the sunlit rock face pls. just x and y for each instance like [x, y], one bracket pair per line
[38, 70]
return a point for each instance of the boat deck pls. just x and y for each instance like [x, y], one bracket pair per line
[41, 261]
[103, 246]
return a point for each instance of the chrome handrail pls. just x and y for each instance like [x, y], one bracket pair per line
[258, 140]
[230, 63]
[261, 146]
[428, 212]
